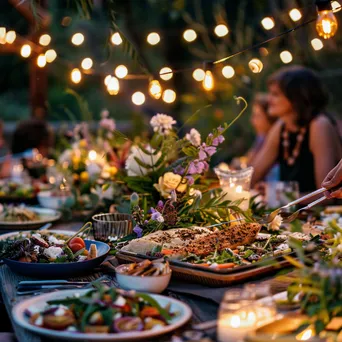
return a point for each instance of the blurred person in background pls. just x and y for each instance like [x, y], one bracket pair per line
[305, 141]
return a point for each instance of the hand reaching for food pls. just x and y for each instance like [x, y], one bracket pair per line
[334, 180]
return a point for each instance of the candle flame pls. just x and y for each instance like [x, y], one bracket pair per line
[92, 155]
[235, 321]
[239, 189]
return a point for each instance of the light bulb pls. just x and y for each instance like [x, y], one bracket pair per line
[138, 98]
[153, 38]
[76, 75]
[116, 38]
[295, 14]
[44, 40]
[336, 6]
[92, 155]
[317, 44]
[155, 89]
[121, 71]
[113, 86]
[169, 96]
[10, 37]
[208, 82]
[326, 24]
[25, 50]
[255, 65]
[2, 35]
[189, 35]
[87, 63]
[50, 55]
[107, 79]
[41, 61]
[263, 51]
[198, 75]
[286, 57]
[267, 23]
[77, 38]
[167, 73]
[228, 71]
[221, 30]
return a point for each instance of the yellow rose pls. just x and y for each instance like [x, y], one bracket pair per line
[169, 182]
[83, 143]
[84, 176]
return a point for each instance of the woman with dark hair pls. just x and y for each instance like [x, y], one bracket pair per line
[304, 141]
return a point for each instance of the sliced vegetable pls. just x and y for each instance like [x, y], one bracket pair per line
[125, 324]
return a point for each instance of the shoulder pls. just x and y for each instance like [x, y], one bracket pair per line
[322, 132]
[321, 124]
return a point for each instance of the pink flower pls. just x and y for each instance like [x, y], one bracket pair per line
[206, 151]
[219, 140]
[197, 167]
[108, 124]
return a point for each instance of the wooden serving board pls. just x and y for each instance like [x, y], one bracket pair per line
[196, 274]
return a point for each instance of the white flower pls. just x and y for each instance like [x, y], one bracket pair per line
[132, 166]
[194, 137]
[93, 170]
[275, 224]
[162, 123]
[103, 194]
[195, 193]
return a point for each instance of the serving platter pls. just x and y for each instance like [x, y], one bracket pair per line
[25, 233]
[39, 302]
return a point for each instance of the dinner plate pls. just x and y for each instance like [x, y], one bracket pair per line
[39, 302]
[53, 231]
[46, 216]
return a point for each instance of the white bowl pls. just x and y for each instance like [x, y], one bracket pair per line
[154, 284]
[46, 200]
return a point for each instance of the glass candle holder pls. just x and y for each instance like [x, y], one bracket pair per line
[236, 185]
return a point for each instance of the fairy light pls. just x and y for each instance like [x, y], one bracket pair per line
[116, 38]
[41, 61]
[113, 86]
[138, 98]
[326, 23]
[77, 39]
[76, 75]
[87, 63]
[50, 55]
[295, 14]
[169, 96]
[267, 23]
[263, 51]
[25, 50]
[208, 82]
[228, 71]
[2, 35]
[221, 30]
[167, 73]
[198, 75]
[286, 57]
[336, 6]
[255, 65]
[155, 89]
[107, 79]
[189, 35]
[317, 44]
[121, 71]
[10, 37]
[92, 155]
[153, 38]
[45, 40]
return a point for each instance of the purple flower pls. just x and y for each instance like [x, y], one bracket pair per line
[219, 140]
[108, 124]
[160, 204]
[197, 167]
[137, 230]
[220, 129]
[190, 179]
[179, 170]
[192, 168]
[157, 216]
[210, 135]
[173, 196]
[206, 151]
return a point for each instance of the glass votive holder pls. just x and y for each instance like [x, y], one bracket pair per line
[114, 225]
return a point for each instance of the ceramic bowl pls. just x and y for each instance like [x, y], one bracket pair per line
[46, 200]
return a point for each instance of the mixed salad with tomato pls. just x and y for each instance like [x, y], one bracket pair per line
[103, 310]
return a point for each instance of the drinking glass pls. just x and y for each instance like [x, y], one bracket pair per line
[281, 193]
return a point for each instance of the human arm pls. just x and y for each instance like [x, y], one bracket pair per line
[334, 180]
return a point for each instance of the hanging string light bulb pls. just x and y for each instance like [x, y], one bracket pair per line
[76, 75]
[77, 39]
[189, 35]
[10, 37]
[153, 38]
[326, 23]
[138, 98]
[317, 44]
[169, 96]
[336, 6]
[2, 35]
[155, 89]
[41, 61]
[116, 38]
[45, 40]
[50, 55]
[113, 86]
[228, 71]
[221, 30]
[165, 73]
[267, 23]
[255, 65]
[87, 63]
[208, 82]
[286, 57]
[198, 75]
[121, 71]
[25, 50]
[295, 14]
[107, 79]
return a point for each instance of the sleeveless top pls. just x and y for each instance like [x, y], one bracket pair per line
[303, 169]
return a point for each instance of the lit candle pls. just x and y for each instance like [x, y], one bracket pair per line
[234, 193]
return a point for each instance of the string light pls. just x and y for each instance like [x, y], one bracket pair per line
[121, 71]
[50, 55]
[228, 71]
[25, 50]
[317, 44]
[113, 86]
[167, 73]
[221, 30]
[255, 65]
[189, 35]
[336, 6]
[198, 75]
[286, 57]
[116, 38]
[153, 38]
[10, 37]
[76, 75]
[107, 79]
[138, 98]
[208, 82]
[267, 23]
[77, 39]
[45, 40]
[2, 35]
[263, 51]
[41, 61]
[169, 96]
[155, 89]
[326, 23]
[295, 14]
[87, 63]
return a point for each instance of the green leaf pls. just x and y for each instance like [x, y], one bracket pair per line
[319, 326]
[155, 304]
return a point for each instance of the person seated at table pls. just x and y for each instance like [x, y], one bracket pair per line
[304, 141]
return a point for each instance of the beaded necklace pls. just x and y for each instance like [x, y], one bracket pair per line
[290, 159]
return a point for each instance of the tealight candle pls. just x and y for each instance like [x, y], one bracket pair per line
[234, 193]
